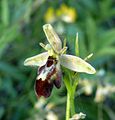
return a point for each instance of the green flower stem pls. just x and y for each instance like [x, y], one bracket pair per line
[68, 87]
[71, 89]
[72, 97]
[76, 79]
[68, 106]
[75, 83]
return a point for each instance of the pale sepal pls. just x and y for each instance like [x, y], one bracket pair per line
[37, 60]
[76, 64]
[53, 38]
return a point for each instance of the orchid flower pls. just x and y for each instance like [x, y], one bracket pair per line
[49, 72]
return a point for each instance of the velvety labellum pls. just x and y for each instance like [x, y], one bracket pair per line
[48, 75]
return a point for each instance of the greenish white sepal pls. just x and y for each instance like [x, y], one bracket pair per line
[76, 64]
[37, 60]
[53, 38]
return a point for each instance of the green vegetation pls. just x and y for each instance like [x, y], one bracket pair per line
[21, 32]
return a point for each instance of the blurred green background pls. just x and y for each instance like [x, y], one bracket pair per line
[21, 31]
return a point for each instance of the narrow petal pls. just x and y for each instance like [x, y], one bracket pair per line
[76, 64]
[38, 60]
[43, 88]
[52, 37]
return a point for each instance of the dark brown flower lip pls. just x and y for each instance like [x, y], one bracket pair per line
[44, 87]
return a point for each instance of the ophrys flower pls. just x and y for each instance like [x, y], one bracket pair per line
[49, 72]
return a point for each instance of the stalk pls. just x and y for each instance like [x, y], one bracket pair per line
[68, 107]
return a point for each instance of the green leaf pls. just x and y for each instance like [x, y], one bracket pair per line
[5, 12]
[28, 10]
[2, 110]
[12, 71]
[8, 36]
[82, 46]
[106, 51]
[107, 38]
[91, 31]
